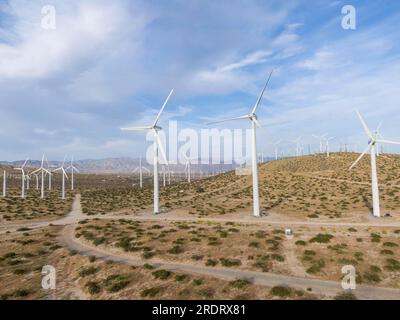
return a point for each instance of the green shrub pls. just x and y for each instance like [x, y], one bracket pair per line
[211, 263]
[239, 283]
[322, 238]
[281, 291]
[150, 292]
[345, 296]
[176, 250]
[115, 283]
[230, 262]
[93, 287]
[161, 274]
[181, 277]
[88, 271]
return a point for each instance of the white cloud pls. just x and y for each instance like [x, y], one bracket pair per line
[251, 59]
[83, 31]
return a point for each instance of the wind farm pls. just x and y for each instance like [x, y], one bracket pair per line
[267, 173]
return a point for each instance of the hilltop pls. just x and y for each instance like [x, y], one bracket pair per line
[309, 187]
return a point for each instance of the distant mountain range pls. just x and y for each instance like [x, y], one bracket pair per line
[120, 165]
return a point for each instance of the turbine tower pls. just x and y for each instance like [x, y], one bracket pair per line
[4, 183]
[73, 169]
[254, 123]
[371, 148]
[276, 148]
[188, 169]
[298, 146]
[64, 176]
[22, 169]
[327, 145]
[140, 169]
[157, 146]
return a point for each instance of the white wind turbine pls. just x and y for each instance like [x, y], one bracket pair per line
[188, 169]
[298, 146]
[73, 169]
[276, 148]
[320, 138]
[42, 171]
[140, 169]
[157, 146]
[64, 176]
[22, 169]
[371, 148]
[253, 118]
[327, 144]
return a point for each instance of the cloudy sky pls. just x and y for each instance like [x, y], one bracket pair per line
[109, 64]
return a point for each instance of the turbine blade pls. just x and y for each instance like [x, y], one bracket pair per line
[379, 127]
[25, 162]
[136, 128]
[361, 155]
[387, 141]
[369, 134]
[35, 171]
[162, 108]
[262, 93]
[144, 168]
[231, 119]
[136, 169]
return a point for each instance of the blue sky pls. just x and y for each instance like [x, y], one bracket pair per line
[112, 63]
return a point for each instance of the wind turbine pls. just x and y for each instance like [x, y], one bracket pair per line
[140, 168]
[22, 169]
[372, 143]
[254, 123]
[298, 146]
[42, 171]
[321, 138]
[276, 148]
[157, 146]
[327, 144]
[72, 168]
[64, 176]
[188, 169]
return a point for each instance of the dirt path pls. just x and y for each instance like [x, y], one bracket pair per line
[321, 287]
[293, 263]
[76, 211]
